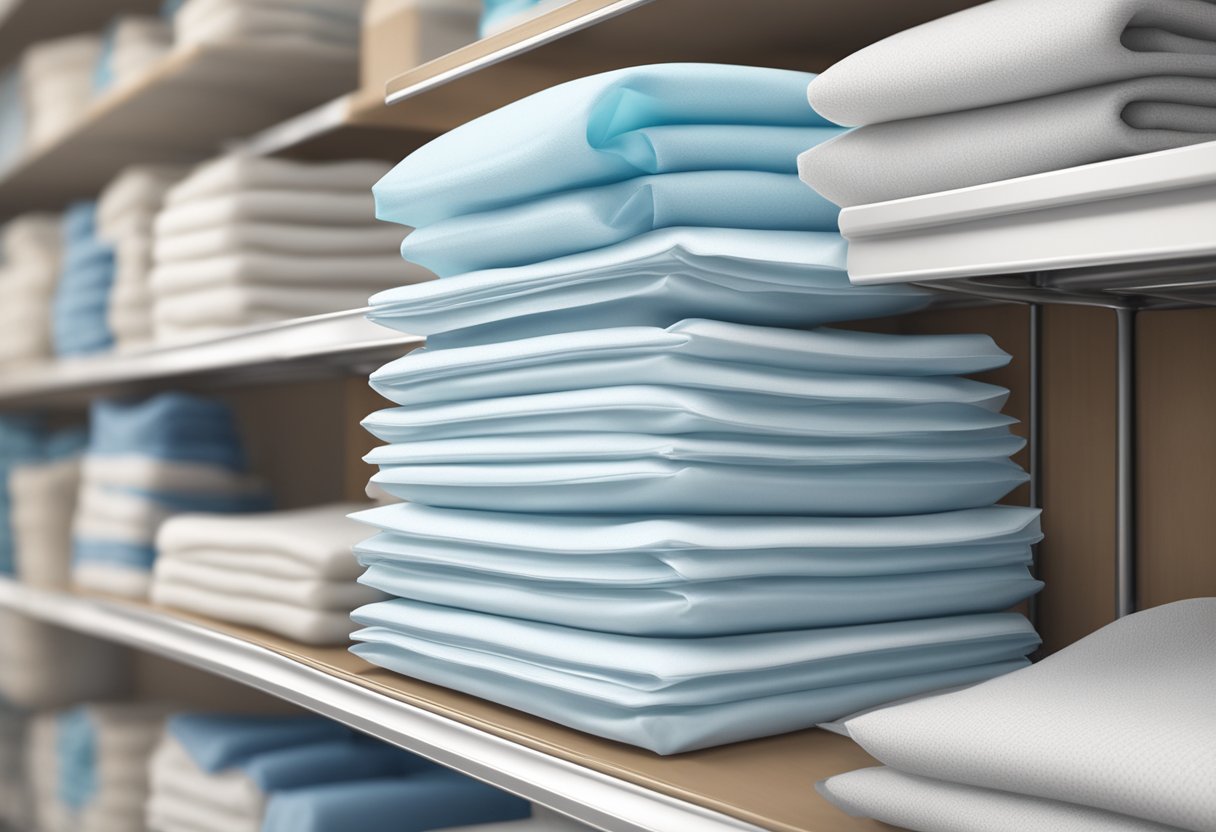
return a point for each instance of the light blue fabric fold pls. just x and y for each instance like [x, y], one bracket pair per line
[576, 221]
[597, 130]
[496, 12]
[79, 309]
[333, 761]
[21, 440]
[172, 426]
[767, 278]
[76, 759]
[216, 742]
[428, 800]
[671, 551]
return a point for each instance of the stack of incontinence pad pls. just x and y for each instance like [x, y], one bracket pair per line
[323, 25]
[29, 269]
[42, 666]
[289, 572]
[57, 78]
[1011, 88]
[89, 766]
[80, 311]
[126, 211]
[1115, 733]
[133, 45]
[43, 494]
[638, 507]
[148, 460]
[247, 240]
[304, 774]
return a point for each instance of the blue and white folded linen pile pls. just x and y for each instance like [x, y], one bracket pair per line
[246, 240]
[89, 765]
[80, 313]
[148, 460]
[42, 494]
[21, 440]
[304, 774]
[638, 507]
[1012, 88]
[29, 269]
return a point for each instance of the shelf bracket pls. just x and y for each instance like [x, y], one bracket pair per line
[1125, 456]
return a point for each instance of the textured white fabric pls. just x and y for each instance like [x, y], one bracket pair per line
[319, 539]
[899, 159]
[43, 504]
[1011, 50]
[1124, 720]
[324, 207]
[921, 804]
[309, 593]
[227, 175]
[111, 579]
[370, 273]
[138, 190]
[129, 314]
[273, 238]
[58, 79]
[298, 623]
[29, 270]
[150, 474]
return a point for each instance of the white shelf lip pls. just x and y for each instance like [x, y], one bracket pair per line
[514, 48]
[1153, 207]
[589, 796]
[332, 338]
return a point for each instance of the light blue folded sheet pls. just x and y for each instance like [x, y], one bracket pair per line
[656, 485]
[428, 800]
[219, 741]
[819, 364]
[673, 410]
[710, 608]
[330, 761]
[767, 278]
[672, 695]
[614, 552]
[79, 308]
[576, 221]
[604, 128]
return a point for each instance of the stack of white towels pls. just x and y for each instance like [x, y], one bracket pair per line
[134, 45]
[89, 766]
[148, 460]
[245, 240]
[640, 505]
[43, 666]
[30, 247]
[304, 774]
[57, 79]
[289, 572]
[42, 495]
[329, 25]
[1115, 733]
[126, 213]
[1011, 88]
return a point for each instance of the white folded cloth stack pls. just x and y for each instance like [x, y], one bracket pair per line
[57, 77]
[14, 793]
[126, 212]
[134, 44]
[42, 666]
[289, 572]
[1011, 88]
[89, 766]
[42, 496]
[1115, 733]
[331, 25]
[29, 269]
[243, 241]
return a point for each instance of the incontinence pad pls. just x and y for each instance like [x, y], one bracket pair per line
[1122, 721]
[660, 119]
[617, 552]
[582, 220]
[673, 695]
[770, 278]
[821, 365]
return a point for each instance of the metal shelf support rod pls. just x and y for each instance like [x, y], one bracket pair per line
[1125, 476]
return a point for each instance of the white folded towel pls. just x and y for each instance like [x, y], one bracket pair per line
[43, 503]
[298, 206]
[216, 311]
[235, 173]
[272, 238]
[373, 272]
[58, 79]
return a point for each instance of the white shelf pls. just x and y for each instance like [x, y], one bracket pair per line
[300, 348]
[1158, 208]
[558, 781]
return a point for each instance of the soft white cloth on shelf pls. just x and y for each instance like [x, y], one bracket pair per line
[146, 473]
[29, 268]
[235, 173]
[58, 79]
[373, 272]
[1122, 721]
[324, 207]
[301, 624]
[138, 191]
[310, 593]
[332, 26]
[216, 311]
[278, 238]
[43, 504]
[82, 668]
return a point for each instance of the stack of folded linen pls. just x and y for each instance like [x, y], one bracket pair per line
[43, 497]
[148, 460]
[329, 25]
[42, 666]
[1115, 733]
[1011, 88]
[289, 572]
[133, 45]
[14, 791]
[57, 79]
[304, 774]
[89, 765]
[29, 267]
[12, 117]
[668, 531]
[21, 441]
[246, 240]
[126, 212]
[80, 309]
